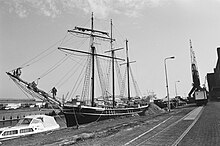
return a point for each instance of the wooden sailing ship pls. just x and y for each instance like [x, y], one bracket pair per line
[79, 111]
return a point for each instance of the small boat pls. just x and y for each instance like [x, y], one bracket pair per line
[29, 125]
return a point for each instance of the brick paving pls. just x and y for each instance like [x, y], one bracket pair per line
[168, 135]
[165, 134]
[206, 131]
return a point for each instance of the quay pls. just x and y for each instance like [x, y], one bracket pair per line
[187, 125]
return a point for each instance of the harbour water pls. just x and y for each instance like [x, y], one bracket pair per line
[11, 117]
[8, 123]
[60, 120]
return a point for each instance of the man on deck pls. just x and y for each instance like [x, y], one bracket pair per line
[54, 92]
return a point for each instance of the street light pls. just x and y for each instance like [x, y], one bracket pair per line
[172, 57]
[176, 88]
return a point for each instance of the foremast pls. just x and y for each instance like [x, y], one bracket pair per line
[113, 64]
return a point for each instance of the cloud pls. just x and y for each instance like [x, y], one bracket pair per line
[101, 8]
[24, 7]
[15, 7]
[19, 9]
[47, 7]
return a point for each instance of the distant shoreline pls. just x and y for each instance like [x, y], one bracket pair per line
[19, 101]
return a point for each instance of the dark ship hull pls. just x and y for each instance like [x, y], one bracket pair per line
[78, 115]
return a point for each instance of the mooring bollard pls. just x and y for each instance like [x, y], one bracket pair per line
[3, 120]
[10, 120]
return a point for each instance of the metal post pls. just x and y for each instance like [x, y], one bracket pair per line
[167, 81]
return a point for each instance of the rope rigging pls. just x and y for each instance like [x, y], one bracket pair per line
[82, 69]
[122, 91]
[118, 71]
[106, 83]
[77, 82]
[68, 75]
[21, 87]
[108, 76]
[44, 54]
[136, 88]
[39, 95]
[85, 91]
[54, 66]
[32, 61]
[57, 64]
[101, 77]
[121, 36]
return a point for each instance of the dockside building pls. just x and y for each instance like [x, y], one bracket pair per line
[213, 80]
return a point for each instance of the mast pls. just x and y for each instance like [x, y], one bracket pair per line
[113, 64]
[129, 97]
[92, 33]
[93, 63]
[113, 67]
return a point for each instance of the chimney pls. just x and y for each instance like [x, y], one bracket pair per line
[218, 61]
[218, 52]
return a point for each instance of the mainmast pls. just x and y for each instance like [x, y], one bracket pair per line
[129, 96]
[113, 68]
[127, 63]
[93, 63]
[113, 64]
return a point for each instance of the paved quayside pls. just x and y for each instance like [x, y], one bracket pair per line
[167, 132]
[206, 131]
[161, 129]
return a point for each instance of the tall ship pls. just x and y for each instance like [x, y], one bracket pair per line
[87, 90]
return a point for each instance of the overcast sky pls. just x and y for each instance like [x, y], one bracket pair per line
[156, 29]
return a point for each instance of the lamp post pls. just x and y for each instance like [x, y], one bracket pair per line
[172, 57]
[176, 88]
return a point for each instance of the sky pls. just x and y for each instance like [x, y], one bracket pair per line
[156, 29]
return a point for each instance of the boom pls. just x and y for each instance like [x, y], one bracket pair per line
[195, 73]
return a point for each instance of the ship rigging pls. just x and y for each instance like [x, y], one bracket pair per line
[86, 109]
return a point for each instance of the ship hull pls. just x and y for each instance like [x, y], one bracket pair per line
[78, 115]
